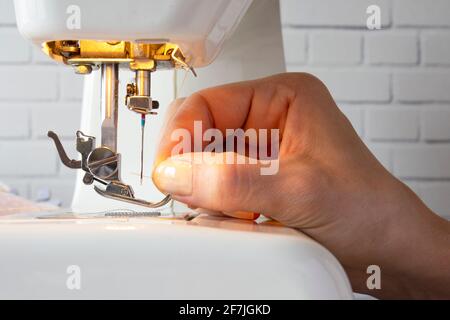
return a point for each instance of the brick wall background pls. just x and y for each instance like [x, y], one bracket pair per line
[393, 84]
[35, 96]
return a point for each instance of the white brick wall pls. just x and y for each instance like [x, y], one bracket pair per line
[27, 159]
[418, 85]
[422, 161]
[18, 49]
[7, 16]
[372, 85]
[435, 124]
[391, 48]
[35, 95]
[330, 13]
[436, 47]
[344, 46]
[421, 13]
[392, 123]
[393, 84]
[295, 39]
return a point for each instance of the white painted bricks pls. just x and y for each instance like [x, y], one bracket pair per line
[14, 122]
[435, 123]
[422, 161]
[15, 48]
[422, 86]
[295, 40]
[371, 85]
[21, 83]
[394, 87]
[392, 48]
[392, 124]
[7, 16]
[328, 48]
[27, 158]
[330, 12]
[421, 13]
[55, 117]
[436, 47]
[35, 95]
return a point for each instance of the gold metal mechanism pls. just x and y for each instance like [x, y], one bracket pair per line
[139, 56]
[102, 164]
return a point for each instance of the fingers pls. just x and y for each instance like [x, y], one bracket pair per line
[236, 189]
[171, 111]
[168, 118]
[259, 104]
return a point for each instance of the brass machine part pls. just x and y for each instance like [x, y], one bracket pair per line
[103, 164]
[86, 55]
[142, 58]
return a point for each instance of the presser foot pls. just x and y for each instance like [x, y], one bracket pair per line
[130, 199]
[102, 166]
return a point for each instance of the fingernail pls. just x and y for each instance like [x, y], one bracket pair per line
[174, 176]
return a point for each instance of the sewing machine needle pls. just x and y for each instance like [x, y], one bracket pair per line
[142, 146]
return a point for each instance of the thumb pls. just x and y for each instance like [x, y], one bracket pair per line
[225, 182]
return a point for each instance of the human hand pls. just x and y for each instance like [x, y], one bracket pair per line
[328, 185]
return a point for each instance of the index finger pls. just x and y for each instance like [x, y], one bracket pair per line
[251, 104]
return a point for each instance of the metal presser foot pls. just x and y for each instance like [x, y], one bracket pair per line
[101, 165]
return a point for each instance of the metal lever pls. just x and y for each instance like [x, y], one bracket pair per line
[70, 163]
[118, 191]
[115, 189]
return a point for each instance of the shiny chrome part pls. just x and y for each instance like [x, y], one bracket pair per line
[125, 214]
[139, 100]
[102, 165]
[143, 82]
[109, 104]
[70, 163]
[142, 148]
[138, 97]
[118, 196]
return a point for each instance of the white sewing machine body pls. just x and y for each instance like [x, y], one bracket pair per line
[199, 27]
[162, 258]
[159, 258]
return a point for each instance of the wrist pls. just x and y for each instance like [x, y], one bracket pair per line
[415, 249]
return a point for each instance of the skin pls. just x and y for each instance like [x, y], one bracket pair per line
[329, 185]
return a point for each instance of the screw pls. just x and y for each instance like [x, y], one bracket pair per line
[83, 69]
[131, 89]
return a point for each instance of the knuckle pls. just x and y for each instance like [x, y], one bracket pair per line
[295, 83]
[308, 81]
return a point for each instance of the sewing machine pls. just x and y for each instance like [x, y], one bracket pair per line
[112, 39]
[126, 237]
